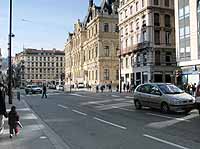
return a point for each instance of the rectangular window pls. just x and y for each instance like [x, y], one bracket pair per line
[107, 51]
[156, 19]
[156, 2]
[168, 58]
[138, 60]
[144, 34]
[131, 10]
[142, 3]
[144, 59]
[127, 62]
[96, 75]
[106, 74]
[137, 6]
[96, 51]
[157, 57]
[167, 37]
[157, 37]
[166, 3]
[106, 27]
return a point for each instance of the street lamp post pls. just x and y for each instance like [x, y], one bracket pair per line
[120, 71]
[10, 57]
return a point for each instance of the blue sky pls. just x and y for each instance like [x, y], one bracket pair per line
[40, 23]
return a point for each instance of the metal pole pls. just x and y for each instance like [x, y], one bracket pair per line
[10, 57]
[120, 72]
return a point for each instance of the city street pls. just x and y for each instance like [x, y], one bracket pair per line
[86, 120]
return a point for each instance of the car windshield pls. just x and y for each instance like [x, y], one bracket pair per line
[170, 89]
[34, 86]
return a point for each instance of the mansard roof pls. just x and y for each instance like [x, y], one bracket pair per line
[105, 5]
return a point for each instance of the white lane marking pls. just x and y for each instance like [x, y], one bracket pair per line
[128, 97]
[110, 106]
[96, 102]
[123, 109]
[115, 96]
[163, 124]
[120, 99]
[62, 106]
[21, 109]
[168, 117]
[164, 141]
[81, 113]
[101, 120]
[78, 95]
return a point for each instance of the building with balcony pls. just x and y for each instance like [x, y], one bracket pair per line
[41, 66]
[91, 50]
[187, 18]
[147, 41]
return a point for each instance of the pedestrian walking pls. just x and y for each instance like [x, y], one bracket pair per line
[13, 121]
[117, 90]
[44, 91]
[97, 89]
[102, 88]
[127, 87]
[193, 89]
[124, 87]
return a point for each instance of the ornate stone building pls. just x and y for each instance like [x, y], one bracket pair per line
[147, 41]
[91, 50]
[41, 66]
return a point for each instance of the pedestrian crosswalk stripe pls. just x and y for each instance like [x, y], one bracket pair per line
[112, 106]
[103, 101]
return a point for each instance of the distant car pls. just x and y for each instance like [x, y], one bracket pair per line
[52, 86]
[60, 87]
[81, 85]
[163, 96]
[33, 89]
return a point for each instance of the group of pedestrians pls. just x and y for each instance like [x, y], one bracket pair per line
[190, 88]
[13, 116]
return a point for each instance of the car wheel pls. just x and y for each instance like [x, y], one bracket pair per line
[164, 107]
[138, 105]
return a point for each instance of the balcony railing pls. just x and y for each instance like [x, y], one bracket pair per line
[134, 48]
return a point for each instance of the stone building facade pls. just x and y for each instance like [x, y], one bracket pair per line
[147, 41]
[41, 66]
[187, 18]
[91, 50]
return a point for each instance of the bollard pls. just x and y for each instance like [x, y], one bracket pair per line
[18, 96]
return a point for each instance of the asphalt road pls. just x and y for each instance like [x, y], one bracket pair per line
[86, 120]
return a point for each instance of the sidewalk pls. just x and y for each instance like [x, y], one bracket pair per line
[35, 133]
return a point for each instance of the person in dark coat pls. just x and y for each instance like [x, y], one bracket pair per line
[124, 87]
[3, 112]
[127, 87]
[44, 91]
[13, 119]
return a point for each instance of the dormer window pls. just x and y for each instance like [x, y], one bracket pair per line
[106, 27]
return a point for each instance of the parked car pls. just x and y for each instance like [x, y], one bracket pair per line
[197, 96]
[60, 87]
[33, 89]
[81, 85]
[163, 96]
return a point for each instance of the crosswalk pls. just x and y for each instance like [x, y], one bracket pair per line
[48, 94]
[109, 102]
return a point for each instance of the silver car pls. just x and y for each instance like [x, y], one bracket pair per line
[163, 96]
